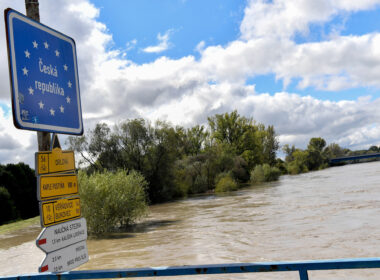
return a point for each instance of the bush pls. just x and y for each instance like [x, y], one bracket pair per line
[271, 173]
[226, 184]
[265, 173]
[112, 200]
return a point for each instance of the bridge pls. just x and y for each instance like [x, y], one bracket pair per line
[302, 267]
[333, 161]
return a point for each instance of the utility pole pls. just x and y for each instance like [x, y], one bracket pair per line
[32, 11]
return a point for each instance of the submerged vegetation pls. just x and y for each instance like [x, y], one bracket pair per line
[112, 200]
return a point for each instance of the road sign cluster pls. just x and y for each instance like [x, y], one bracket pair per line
[45, 97]
[64, 237]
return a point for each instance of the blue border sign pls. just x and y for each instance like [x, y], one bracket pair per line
[44, 77]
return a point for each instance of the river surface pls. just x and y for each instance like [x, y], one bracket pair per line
[328, 214]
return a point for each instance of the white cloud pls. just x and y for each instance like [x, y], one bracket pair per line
[285, 18]
[131, 45]
[200, 46]
[163, 43]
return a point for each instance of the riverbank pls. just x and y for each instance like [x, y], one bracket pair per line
[13, 226]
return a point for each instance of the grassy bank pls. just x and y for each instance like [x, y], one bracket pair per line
[18, 225]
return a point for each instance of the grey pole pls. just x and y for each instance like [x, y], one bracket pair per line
[32, 11]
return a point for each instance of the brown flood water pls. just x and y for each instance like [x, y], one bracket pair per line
[333, 213]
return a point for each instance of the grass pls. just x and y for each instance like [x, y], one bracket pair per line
[18, 225]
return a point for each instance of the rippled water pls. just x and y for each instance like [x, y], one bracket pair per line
[333, 213]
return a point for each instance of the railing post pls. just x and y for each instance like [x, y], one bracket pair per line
[303, 274]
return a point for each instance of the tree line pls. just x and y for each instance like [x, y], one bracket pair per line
[18, 192]
[177, 161]
[168, 162]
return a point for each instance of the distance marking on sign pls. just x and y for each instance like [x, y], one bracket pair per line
[53, 212]
[54, 161]
[62, 235]
[65, 259]
[57, 185]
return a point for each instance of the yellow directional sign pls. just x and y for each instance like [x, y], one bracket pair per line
[57, 185]
[54, 161]
[53, 212]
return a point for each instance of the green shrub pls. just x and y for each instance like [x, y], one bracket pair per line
[265, 173]
[226, 184]
[199, 185]
[271, 173]
[112, 200]
[257, 174]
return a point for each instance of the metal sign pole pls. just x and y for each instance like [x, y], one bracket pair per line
[32, 11]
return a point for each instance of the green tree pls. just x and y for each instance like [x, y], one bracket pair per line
[315, 157]
[374, 149]
[271, 145]
[333, 150]
[299, 162]
[7, 208]
[194, 141]
[20, 182]
[227, 128]
[288, 152]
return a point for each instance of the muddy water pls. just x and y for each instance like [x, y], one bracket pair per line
[334, 213]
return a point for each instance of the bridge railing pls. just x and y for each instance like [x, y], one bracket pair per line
[301, 266]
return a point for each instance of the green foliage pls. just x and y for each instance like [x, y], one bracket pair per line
[20, 182]
[281, 165]
[112, 200]
[7, 208]
[299, 163]
[271, 145]
[288, 152]
[374, 149]
[315, 158]
[177, 161]
[240, 169]
[334, 150]
[226, 184]
[257, 174]
[265, 173]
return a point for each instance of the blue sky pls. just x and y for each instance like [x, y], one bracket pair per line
[310, 68]
[188, 22]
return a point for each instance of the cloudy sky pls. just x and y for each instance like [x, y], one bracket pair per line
[311, 68]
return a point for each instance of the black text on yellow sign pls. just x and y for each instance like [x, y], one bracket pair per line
[53, 212]
[54, 161]
[57, 185]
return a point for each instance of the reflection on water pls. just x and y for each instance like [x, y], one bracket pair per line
[327, 214]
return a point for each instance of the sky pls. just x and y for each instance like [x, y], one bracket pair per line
[310, 68]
